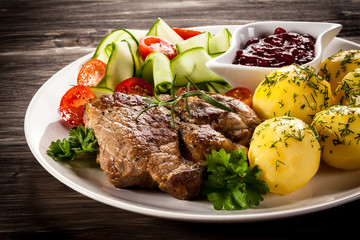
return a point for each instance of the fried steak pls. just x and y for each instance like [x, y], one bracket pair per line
[149, 152]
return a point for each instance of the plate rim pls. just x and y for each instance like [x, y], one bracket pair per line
[154, 212]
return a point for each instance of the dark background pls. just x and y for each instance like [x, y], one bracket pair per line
[38, 38]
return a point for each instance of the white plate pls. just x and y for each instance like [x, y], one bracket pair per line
[329, 188]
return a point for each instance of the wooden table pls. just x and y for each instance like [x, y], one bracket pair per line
[38, 38]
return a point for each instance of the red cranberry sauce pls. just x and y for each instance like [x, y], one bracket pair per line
[277, 50]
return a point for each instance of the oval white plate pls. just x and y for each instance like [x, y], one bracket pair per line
[329, 188]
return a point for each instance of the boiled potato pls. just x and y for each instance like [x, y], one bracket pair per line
[339, 135]
[287, 151]
[348, 91]
[292, 91]
[334, 68]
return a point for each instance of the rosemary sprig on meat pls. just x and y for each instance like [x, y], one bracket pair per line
[157, 102]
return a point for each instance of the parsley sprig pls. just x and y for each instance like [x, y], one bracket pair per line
[81, 144]
[232, 183]
[157, 102]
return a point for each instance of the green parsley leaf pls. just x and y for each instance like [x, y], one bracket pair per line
[60, 150]
[232, 183]
[82, 139]
[81, 144]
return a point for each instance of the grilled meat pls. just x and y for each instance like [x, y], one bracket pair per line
[143, 152]
[197, 141]
[236, 126]
[149, 152]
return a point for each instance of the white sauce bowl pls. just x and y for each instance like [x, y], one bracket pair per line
[251, 76]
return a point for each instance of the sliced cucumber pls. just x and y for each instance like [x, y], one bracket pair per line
[104, 48]
[134, 48]
[191, 63]
[120, 66]
[100, 52]
[137, 34]
[216, 54]
[218, 87]
[161, 29]
[220, 42]
[157, 71]
[99, 91]
[201, 40]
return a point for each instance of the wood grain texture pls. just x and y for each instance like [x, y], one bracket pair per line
[38, 38]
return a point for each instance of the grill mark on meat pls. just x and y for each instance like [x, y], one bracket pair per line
[123, 172]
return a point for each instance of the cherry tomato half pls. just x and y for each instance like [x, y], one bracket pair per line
[241, 93]
[135, 85]
[149, 44]
[73, 102]
[91, 73]
[186, 33]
